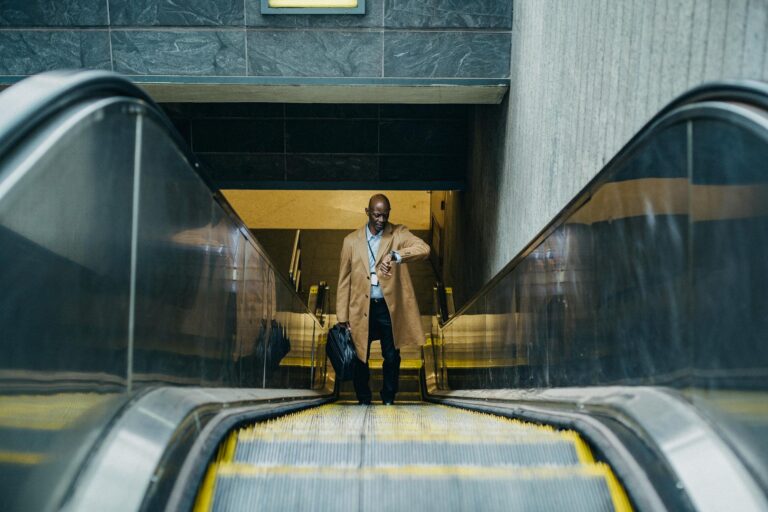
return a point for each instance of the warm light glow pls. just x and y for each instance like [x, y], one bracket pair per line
[314, 4]
[324, 209]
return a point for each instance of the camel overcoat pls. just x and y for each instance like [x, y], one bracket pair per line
[352, 295]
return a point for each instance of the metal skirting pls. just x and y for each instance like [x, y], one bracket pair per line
[350, 457]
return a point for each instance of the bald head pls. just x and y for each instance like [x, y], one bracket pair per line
[378, 212]
[378, 198]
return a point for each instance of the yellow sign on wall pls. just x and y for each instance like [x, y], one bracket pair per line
[314, 4]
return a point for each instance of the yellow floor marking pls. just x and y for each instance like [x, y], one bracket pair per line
[47, 412]
[22, 458]
[374, 364]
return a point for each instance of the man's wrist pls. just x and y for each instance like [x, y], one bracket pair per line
[396, 256]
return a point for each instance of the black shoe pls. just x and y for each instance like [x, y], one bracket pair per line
[388, 402]
[364, 402]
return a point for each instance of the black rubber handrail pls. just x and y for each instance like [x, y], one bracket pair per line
[746, 92]
[32, 102]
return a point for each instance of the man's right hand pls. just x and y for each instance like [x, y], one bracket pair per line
[345, 325]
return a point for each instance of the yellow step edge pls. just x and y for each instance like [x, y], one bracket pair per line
[332, 437]
[618, 494]
[410, 471]
[204, 500]
[228, 455]
[583, 453]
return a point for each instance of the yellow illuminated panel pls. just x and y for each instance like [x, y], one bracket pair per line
[314, 4]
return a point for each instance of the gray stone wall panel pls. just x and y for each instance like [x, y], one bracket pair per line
[314, 53]
[53, 13]
[176, 52]
[29, 52]
[448, 13]
[446, 54]
[177, 12]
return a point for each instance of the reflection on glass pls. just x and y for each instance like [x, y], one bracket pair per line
[83, 325]
[658, 278]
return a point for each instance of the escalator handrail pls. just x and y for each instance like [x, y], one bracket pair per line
[35, 100]
[749, 92]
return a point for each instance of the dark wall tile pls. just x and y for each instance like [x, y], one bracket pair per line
[332, 167]
[183, 127]
[314, 53]
[179, 53]
[446, 54]
[395, 111]
[422, 168]
[447, 137]
[326, 110]
[177, 12]
[58, 13]
[448, 13]
[331, 136]
[26, 53]
[230, 167]
[237, 136]
[225, 110]
[372, 18]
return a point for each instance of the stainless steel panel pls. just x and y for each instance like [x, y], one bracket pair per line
[64, 272]
[120, 270]
[185, 292]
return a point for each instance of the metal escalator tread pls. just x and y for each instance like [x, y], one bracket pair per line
[338, 457]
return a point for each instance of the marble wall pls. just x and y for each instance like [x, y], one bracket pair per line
[206, 38]
[273, 145]
[585, 77]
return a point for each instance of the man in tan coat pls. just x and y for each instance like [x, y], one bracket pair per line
[375, 297]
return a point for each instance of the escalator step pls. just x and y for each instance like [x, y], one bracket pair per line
[350, 457]
[403, 488]
[353, 452]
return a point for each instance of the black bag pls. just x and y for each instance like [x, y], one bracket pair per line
[278, 347]
[341, 352]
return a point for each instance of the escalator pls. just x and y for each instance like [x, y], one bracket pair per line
[433, 457]
[152, 358]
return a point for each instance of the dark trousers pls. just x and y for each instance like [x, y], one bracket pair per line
[379, 327]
